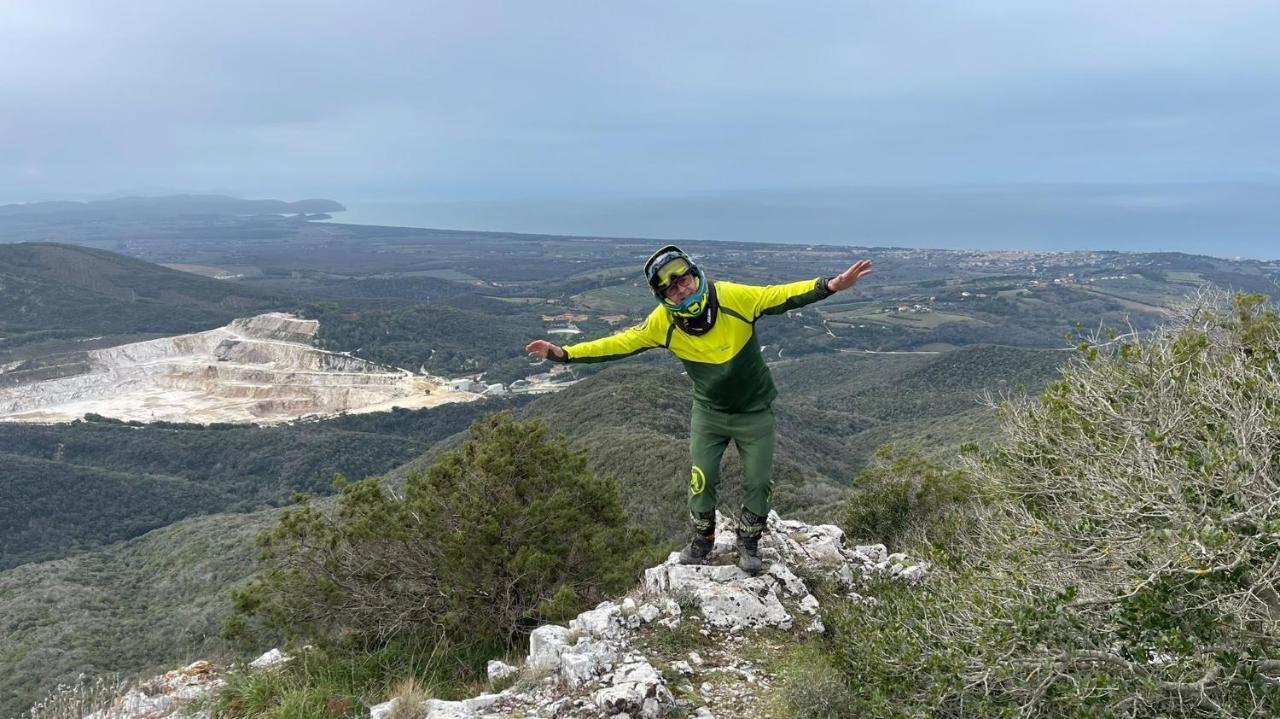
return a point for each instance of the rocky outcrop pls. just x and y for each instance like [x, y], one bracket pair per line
[172, 694]
[255, 369]
[601, 665]
[606, 663]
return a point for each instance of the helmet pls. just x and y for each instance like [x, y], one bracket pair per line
[666, 265]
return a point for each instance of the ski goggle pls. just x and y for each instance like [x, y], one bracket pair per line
[670, 272]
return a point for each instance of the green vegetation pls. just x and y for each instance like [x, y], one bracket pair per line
[50, 292]
[57, 509]
[1125, 563]
[324, 683]
[508, 531]
[466, 302]
[139, 607]
[85, 484]
[904, 499]
[443, 339]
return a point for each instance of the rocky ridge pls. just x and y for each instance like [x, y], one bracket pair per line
[686, 641]
[255, 369]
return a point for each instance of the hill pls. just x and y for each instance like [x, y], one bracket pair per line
[133, 607]
[52, 294]
[100, 481]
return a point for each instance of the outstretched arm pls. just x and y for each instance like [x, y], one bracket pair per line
[643, 336]
[777, 299]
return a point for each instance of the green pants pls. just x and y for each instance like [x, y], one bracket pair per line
[709, 434]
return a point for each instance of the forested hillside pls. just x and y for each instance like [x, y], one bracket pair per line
[52, 291]
[100, 481]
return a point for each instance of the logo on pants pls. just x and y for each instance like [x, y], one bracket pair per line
[698, 481]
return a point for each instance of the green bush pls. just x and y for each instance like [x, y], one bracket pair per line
[1128, 560]
[902, 495]
[506, 532]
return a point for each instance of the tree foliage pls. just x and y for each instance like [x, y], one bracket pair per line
[505, 532]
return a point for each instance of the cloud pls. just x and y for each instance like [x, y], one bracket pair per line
[491, 101]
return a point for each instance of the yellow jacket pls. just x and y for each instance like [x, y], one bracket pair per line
[724, 362]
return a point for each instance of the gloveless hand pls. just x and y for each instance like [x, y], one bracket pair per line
[543, 349]
[846, 279]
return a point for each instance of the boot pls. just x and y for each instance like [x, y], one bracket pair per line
[749, 554]
[697, 551]
[750, 527]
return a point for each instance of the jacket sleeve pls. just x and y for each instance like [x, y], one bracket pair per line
[776, 299]
[633, 340]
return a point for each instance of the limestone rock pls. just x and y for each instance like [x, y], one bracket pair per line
[546, 644]
[498, 671]
[605, 621]
[270, 659]
[636, 688]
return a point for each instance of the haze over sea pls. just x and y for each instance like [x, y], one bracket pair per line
[1223, 220]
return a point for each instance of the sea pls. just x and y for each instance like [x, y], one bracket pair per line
[1222, 220]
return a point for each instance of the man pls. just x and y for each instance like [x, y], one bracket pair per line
[710, 326]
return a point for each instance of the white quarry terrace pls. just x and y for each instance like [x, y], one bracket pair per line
[261, 369]
[601, 663]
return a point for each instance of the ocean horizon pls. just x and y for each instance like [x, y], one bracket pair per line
[1235, 221]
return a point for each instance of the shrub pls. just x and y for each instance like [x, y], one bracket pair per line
[902, 495]
[508, 531]
[1128, 563]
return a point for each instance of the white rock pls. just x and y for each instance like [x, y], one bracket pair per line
[270, 659]
[872, 553]
[829, 530]
[793, 584]
[439, 709]
[809, 604]
[655, 578]
[585, 660]
[824, 550]
[845, 575]
[747, 603]
[605, 621]
[635, 687]
[671, 607]
[545, 646]
[776, 522]
[484, 701]
[648, 612]
[381, 711]
[498, 671]
[914, 574]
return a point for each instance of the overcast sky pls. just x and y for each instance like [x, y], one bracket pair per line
[587, 106]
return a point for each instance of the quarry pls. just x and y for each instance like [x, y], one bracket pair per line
[262, 369]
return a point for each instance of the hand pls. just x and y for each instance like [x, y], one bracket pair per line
[846, 279]
[544, 349]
